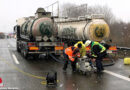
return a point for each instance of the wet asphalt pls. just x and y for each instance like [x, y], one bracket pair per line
[30, 74]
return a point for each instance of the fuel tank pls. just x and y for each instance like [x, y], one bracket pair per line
[94, 29]
[38, 27]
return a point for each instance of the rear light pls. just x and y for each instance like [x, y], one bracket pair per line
[59, 48]
[33, 48]
[31, 44]
[113, 48]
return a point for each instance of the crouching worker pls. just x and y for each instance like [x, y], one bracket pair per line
[70, 55]
[98, 52]
[81, 47]
[82, 50]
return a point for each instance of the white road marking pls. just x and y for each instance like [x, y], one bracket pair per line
[15, 59]
[117, 75]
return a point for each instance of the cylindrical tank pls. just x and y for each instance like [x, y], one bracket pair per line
[95, 29]
[39, 27]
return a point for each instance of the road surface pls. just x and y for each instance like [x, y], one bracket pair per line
[17, 73]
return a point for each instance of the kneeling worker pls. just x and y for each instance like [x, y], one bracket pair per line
[70, 54]
[98, 52]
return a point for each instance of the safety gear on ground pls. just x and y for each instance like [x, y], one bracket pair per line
[87, 43]
[72, 52]
[82, 49]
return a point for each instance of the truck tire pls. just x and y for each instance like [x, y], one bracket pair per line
[24, 53]
[18, 49]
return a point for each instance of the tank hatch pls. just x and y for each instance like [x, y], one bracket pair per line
[42, 13]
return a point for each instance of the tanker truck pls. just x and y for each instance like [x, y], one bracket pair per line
[89, 27]
[37, 35]
[2, 35]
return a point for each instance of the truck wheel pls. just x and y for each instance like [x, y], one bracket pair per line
[25, 53]
[18, 49]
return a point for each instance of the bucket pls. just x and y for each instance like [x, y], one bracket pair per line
[127, 60]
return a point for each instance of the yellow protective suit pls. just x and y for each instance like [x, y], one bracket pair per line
[82, 50]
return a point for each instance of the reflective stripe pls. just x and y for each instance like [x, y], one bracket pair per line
[94, 55]
[70, 57]
[78, 54]
[103, 49]
[101, 46]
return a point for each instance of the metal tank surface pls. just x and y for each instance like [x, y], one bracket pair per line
[37, 35]
[38, 27]
[95, 29]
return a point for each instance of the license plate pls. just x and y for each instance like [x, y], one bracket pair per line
[47, 44]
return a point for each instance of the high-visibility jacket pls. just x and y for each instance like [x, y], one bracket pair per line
[100, 46]
[82, 50]
[69, 52]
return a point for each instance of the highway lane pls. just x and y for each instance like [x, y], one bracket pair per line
[13, 78]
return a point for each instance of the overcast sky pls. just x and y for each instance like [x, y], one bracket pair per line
[10, 10]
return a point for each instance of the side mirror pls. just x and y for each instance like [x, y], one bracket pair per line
[17, 30]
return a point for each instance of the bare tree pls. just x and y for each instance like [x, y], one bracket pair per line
[66, 9]
[105, 10]
[73, 10]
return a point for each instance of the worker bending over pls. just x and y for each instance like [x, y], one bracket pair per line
[98, 52]
[70, 54]
[81, 47]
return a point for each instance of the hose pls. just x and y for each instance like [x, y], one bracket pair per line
[112, 63]
[60, 61]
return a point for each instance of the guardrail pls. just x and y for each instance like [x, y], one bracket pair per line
[124, 48]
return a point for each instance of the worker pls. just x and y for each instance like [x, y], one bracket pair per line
[70, 54]
[81, 47]
[98, 52]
